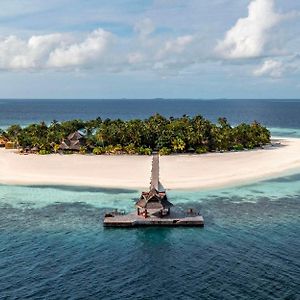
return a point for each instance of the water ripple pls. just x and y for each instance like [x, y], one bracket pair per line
[248, 250]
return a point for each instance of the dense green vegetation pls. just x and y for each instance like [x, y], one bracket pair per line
[167, 135]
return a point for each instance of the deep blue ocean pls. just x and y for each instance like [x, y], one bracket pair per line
[276, 114]
[53, 245]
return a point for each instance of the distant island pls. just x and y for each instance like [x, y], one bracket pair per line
[157, 133]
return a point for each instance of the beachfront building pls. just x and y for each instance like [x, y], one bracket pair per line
[3, 141]
[153, 203]
[10, 145]
[35, 149]
[73, 142]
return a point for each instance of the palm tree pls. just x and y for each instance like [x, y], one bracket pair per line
[13, 131]
[143, 136]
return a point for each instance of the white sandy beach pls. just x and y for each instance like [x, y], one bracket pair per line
[176, 171]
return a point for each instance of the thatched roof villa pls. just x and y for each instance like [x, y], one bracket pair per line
[3, 141]
[10, 145]
[73, 142]
[153, 202]
[35, 149]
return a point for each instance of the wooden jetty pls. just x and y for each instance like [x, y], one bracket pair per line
[154, 183]
[153, 208]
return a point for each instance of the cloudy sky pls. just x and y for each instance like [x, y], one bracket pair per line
[150, 48]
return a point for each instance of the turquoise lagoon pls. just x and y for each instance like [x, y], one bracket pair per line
[53, 245]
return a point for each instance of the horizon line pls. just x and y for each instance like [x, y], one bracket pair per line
[155, 98]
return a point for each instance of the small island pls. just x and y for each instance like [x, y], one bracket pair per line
[156, 133]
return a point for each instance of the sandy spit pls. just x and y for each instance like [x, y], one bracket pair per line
[133, 172]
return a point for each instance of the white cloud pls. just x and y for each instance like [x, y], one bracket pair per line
[65, 51]
[160, 55]
[135, 57]
[270, 67]
[148, 49]
[175, 46]
[16, 53]
[53, 51]
[248, 37]
[279, 67]
[89, 51]
[144, 27]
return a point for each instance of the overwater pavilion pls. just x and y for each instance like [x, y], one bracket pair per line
[153, 208]
[153, 203]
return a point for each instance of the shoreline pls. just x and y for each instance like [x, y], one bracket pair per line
[177, 172]
[233, 169]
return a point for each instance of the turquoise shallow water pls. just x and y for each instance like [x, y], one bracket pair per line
[53, 245]
[285, 132]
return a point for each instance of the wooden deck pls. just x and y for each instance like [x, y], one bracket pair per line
[133, 220]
